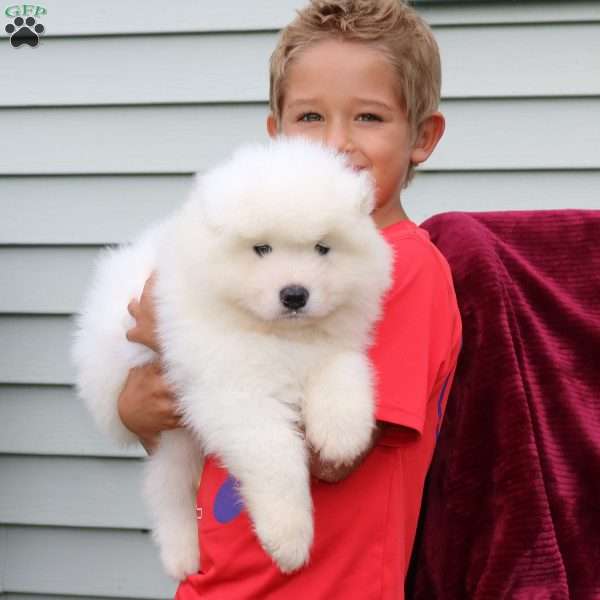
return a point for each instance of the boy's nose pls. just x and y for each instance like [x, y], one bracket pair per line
[339, 138]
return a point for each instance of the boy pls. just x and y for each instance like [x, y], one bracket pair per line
[363, 76]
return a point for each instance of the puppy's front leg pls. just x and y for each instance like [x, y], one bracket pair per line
[257, 440]
[170, 485]
[339, 407]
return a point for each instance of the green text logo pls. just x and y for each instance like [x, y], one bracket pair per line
[24, 10]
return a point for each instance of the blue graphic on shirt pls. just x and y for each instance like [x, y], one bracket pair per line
[441, 396]
[228, 503]
[439, 408]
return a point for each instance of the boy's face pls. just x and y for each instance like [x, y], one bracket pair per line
[345, 95]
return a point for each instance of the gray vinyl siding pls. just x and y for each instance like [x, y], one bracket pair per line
[101, 127]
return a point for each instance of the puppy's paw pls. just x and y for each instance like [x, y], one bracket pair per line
[180, 557]
[340, 443]
[287, 539]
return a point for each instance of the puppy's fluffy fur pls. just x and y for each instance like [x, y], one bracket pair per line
[273, 226]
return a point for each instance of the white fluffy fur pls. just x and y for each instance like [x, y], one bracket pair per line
[247, 371]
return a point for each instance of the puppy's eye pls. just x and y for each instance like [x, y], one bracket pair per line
[322, 249]
[262, 249]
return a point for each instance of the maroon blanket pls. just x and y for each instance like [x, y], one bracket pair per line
[512, 503]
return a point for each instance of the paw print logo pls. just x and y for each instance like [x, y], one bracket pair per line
[27, 34]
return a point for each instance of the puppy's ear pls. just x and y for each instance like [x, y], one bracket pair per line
[366, 192]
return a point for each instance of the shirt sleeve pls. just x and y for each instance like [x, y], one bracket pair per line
[404, 355]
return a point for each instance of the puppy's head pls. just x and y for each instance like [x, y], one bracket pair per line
[288, 234]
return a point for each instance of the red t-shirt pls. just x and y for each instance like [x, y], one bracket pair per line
[364, 525]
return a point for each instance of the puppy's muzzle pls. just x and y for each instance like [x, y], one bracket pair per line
[294, 297]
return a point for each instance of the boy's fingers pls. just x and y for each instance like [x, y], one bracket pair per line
[135, 334]
[132, 334]
[133, 308]
[161, 390]
[164, 384]
[158, 369]
[170, 416]
[149, 284]
[161, 386]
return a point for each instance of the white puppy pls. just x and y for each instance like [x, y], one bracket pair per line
[269, 281]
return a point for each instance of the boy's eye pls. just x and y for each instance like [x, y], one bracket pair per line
[322, 249]
[307, 116]
[374, 117]
[262, 249]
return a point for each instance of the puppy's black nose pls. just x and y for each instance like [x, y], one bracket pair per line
[294, 296]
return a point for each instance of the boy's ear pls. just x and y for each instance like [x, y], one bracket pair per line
[271, 126]
[429, 135]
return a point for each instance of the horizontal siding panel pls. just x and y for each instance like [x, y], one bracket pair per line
[432, 193]
[3, 551]
[66, 18]
[90, 562]
[39, 349]
[151, 139]
[44, 279]
[554, 60]
[515, 134]
[542, 60]
[480, 134]
[73, 492]
[113, 209]
[101, 209]
[143, 69]
[52, 420]
[486, 12]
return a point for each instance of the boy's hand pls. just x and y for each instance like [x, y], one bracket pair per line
[144, 313]
[329, 472]
[147, 404]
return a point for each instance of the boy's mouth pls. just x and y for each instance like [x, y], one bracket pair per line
[353, 167]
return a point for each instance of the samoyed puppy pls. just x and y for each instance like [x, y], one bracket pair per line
[269, 282]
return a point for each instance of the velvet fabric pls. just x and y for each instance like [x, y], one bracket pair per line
[511, 508]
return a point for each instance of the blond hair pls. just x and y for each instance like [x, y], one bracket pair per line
[391, 26]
